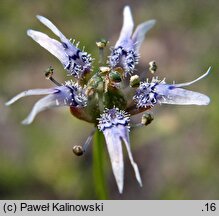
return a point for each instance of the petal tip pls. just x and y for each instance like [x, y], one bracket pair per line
[8, 103]
[206, 101]
[127, 8]
[30, 32]
[26, 122]
[120, 187]
[152, 22]
[38, 16]
[209, 70]
[41, 18]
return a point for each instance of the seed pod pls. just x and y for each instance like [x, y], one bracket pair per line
[115, 76]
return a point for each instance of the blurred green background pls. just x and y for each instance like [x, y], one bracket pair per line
[178, 154]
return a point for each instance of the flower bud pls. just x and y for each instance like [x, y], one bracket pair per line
[152, 67]
[146, 119]
[134, 81]
[78, 150]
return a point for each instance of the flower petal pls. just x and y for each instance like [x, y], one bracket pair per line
[75, 61]
[125, 54]
[115, 126]
[149, 94]
[70, 48]
[194, 81]
[140, 33]
[127, 27]
[52, 45]
[31, 92]
[114, 147]
[70, 94]
[172, 95]
[53, 28]
[124, 134]
[47, 102]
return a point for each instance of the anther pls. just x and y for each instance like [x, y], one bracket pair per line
[48, 75]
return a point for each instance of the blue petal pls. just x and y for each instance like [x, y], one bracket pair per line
[75, 61]
[172, 95]
[115, 126]
[69, 95]
[127, 27]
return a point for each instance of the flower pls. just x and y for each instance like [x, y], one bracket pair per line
[126, 51]
[148, 94]
[70, 94]
[114, 124]
[100, 96]
[75, 61]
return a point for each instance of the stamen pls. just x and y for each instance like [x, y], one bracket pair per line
[101, 45]
[48, 75]
[80, 150]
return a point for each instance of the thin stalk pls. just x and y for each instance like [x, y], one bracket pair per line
[98, 166]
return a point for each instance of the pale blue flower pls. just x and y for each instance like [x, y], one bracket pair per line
[115, 126]
[148, 94]
[75, 61]
[70, 94]
[125, 54]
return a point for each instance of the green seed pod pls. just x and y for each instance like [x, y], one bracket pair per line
[115, 76]
[134, 81]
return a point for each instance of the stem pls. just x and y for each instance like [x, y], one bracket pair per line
[98, 166]
[101, 56]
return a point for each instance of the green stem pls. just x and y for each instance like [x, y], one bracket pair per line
[98, 166]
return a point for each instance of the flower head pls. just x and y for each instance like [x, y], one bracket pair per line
[103, 98]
